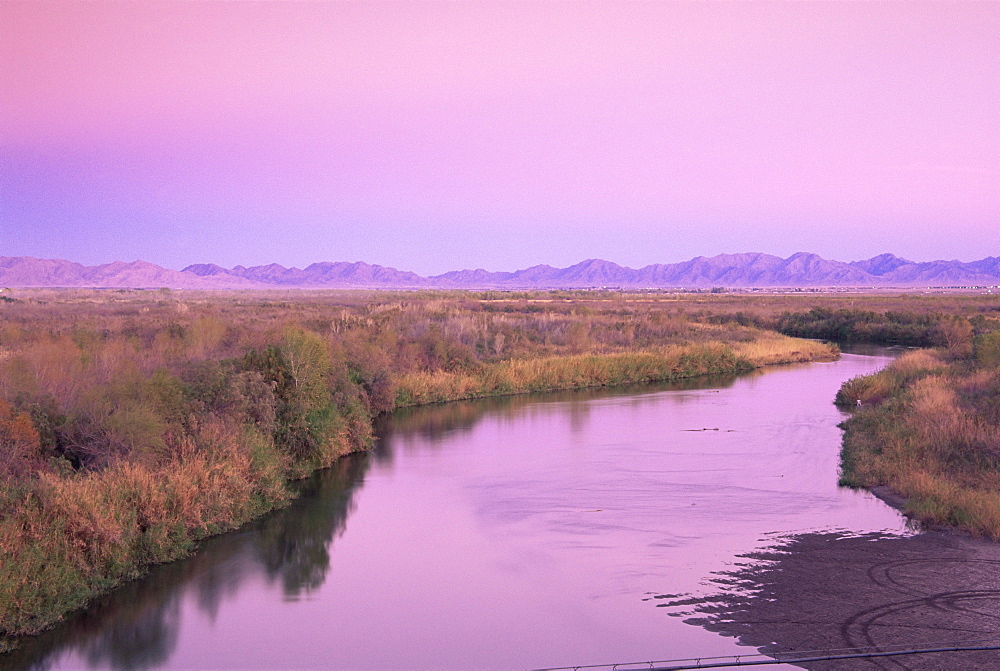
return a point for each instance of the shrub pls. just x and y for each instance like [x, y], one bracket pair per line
[20, 445]
[987, 349]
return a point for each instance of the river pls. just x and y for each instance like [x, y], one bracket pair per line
[521, 532]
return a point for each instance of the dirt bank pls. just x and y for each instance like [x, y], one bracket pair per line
[823, 591]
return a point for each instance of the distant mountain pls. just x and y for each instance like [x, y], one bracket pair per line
[724, 270]
[204, 269]
[25, 271]
[881, 264]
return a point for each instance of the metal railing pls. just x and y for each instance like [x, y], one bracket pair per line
[788, 657]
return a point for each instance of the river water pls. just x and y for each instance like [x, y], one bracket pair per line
[523, 532]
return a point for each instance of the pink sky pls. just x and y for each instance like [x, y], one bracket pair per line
[437, 136]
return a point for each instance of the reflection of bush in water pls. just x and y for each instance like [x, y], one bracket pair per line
[134, 628]
[432, 422]
[137, 626]
[138, 644]
[295, 545]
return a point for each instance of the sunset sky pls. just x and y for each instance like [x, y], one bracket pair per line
[433, 136]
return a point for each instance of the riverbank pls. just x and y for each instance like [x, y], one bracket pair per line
[927, 427]
[125, 450]
[658, 364]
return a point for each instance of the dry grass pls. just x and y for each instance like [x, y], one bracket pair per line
[875, 388]
[577, 371]
[915, 363]
[772, 348]
[65, 539]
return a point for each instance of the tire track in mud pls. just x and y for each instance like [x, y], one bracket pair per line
[825, 591]
[857, 630]
[882, 574]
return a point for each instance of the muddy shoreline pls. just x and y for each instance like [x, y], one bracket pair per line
[830, 591]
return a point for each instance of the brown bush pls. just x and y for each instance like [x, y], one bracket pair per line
[20, 447]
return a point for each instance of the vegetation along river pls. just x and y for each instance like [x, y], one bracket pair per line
[523, 532]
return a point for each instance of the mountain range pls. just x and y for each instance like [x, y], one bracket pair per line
[725, 270]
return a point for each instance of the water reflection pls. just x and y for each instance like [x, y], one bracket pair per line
[137, 626]
[431, 423]
[295, 547]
